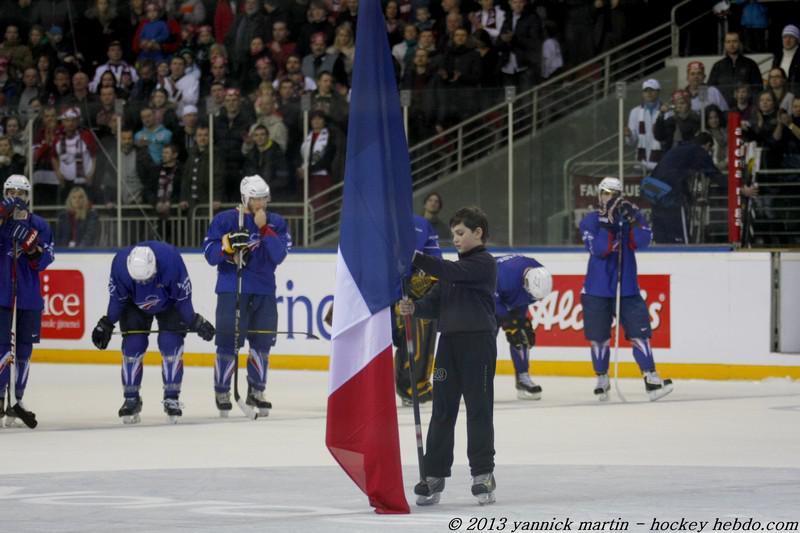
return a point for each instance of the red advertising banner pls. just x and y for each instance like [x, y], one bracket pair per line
[735, 169]
[558, 319]
[64, 308]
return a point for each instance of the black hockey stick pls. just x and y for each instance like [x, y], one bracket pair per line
[307, 334]
[249, 412]
[414, 392]
[617, 305]
[28, 417]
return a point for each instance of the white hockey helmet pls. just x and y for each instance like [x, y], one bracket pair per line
[609, 184]
[253, 187]
[538, 282]
[18, 182]
[142, 264]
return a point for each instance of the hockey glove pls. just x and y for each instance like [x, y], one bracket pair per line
[518, 330]
[101, 335]
[628, 211]
[7, 206]
[203, 327]
[419, 284]
[26, 236]
[234, 240]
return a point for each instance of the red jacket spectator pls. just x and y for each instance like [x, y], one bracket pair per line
[223, 19]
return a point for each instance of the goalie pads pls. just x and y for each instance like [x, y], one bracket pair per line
[419, 284]
[518, 330]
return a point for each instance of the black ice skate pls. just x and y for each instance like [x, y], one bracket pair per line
[129, 412]
[223, 401]
[483, 486]
[429, 491]
[656, 387]
[172, 408]
[527, 389]
[602, 387]
[255, 398]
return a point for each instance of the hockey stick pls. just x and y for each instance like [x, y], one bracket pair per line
[246, 409]
[617, 306]
[414, 392]
[307, 334]
[28, 417]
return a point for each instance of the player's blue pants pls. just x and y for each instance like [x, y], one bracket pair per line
[519, 355]
[598, 314]
[258, 314]
[134, 346]
[27, 334]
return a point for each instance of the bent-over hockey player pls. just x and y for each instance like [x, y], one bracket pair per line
[520, 282]
[264, 242]
[463, 302]
[34, 245]
[418, 284]
[150, 280]
[604, 237]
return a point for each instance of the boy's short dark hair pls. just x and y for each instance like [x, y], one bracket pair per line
[473, 218]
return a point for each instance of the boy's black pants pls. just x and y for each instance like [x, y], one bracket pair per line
[465, 365]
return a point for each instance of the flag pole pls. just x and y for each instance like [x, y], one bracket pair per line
[414, 392]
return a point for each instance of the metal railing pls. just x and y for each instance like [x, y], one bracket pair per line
[773, 217]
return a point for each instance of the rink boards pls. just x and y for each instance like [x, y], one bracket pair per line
[711, 313]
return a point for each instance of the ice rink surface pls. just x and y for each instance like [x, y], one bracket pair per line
[710, 451]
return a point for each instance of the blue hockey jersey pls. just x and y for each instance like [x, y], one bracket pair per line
[427, 240]
[29, 295]
[511, 293]
[170, 286]
[269, 249]
[602, 244]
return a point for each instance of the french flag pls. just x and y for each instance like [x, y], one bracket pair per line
[375, 250]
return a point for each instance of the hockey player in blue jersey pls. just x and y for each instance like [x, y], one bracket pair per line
[418, 285]
[263, 242]
[150, 280]
[34, 244]
[617, 226]
[520, 282]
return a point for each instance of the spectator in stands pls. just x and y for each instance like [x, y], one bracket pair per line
[182, 90]
[195, 179]
[734, 67]
[715, 125]
[676, 123]
[695, 76]
[319, 60]
[754, 23]
[490, 18]
[97, 30]
[280, 47]
[138, 174]
[328, 101]
[74, 155]
[519, 46]
[44, 69]
[743, 103]
[109, 110]
[403, 51]
[153, 135]
[216, 99]
[264, 157]
[164, 110]
[319, 154]
[268, 116]
[262, 72]
[78, 226]
[45, 182]
[288, 105]
[202, 48]
[62, 88]
[641, 120]
[767, 130]
[344, 46]
[115, 64]
[776, 82]
[39, 44]
[791, 156]
[349, 15]
[317, 22]
[422, 80]
[19, 13]
[13, 130]
[552, 60]
[107, 79]
[293, 69]
[453, 21]
[9, 88]
[250, 23]
[224, 16]
[151, 35]
[427, 42]
[230, 130]
[185, 135]
[50, 13]
[490, 69]
[82, 98]
[146, 83]
[431, 207]
[18, 55]
[65, 52]
[10, 162]
[219, 75]
[168, 190]
[190, 12]
[788, 59]
[460, 72]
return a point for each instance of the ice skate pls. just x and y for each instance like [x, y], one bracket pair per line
[483, 486]
[656, 387]
[255, 398]
[527, 389]
[129, 412]
[602, 387]
[429, 491]
[172, 408]
[223, 401]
